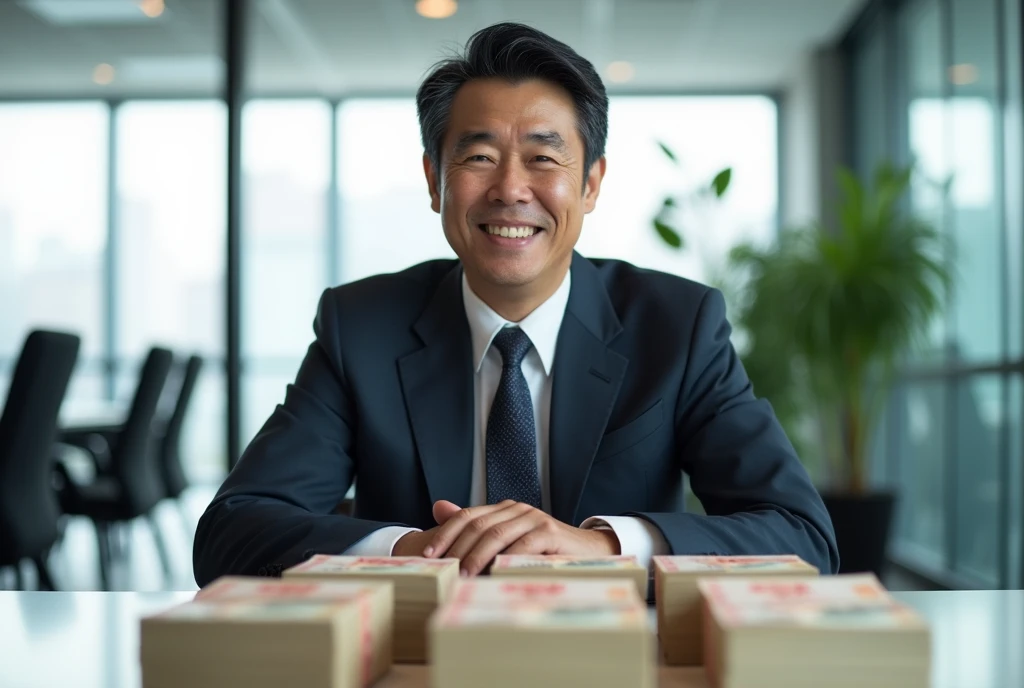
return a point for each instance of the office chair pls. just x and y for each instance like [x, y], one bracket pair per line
[29, 511]
[128, 481]
[175, 482]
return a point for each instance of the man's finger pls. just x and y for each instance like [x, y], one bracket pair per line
[446, 534]
[443, 510]
[533, 542]
[496, 539]
[488, 525]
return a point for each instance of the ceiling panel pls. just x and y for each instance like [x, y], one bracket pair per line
[335, 46]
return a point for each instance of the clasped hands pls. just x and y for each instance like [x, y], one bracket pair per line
[475, 535]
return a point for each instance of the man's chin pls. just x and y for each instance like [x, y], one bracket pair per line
[510, 274]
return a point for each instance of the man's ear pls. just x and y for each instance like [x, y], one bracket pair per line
[592, 189]
[432, 185]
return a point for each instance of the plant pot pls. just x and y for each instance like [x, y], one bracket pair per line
[862, 524]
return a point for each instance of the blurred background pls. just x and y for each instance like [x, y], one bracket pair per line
[191, 174]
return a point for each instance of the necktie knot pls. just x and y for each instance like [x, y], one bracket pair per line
[513, 344]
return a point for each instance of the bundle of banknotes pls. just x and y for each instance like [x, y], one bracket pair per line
[840, 631]
[260, 632]
[543, 633]
[420, 586]
[679, 601]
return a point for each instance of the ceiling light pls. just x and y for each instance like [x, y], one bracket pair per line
[436, 9]
[86, 12]
[963, 74]
[103, 74]
[152, 8]
[620, 72]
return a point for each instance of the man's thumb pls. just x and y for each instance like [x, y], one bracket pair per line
[443, 510]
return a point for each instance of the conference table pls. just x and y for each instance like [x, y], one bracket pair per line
[90, 640]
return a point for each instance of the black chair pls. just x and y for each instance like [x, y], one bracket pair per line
[175, 482]
[128, 481]
[29, 512]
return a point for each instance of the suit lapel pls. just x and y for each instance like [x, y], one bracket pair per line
[586, 379]
[437, 383]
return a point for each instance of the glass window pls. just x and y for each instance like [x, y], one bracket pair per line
[706, 134]
[171, 194]
[386, 220]
[976, 200]
[927, 129]
[53, 222]
[171, 211]
[922, 446]
[980, 417]
[286, 169]
[869, 82]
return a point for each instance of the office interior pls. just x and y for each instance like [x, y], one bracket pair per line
[181, 179]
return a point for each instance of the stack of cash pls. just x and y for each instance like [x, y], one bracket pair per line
[421, 585]
[679, 609]
[542, 633]
[839, 631]
[258, 632]
[556, 565]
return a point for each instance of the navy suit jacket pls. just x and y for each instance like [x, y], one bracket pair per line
[646, 386]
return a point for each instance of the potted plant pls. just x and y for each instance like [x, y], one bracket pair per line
[828, 312]
[675, 205]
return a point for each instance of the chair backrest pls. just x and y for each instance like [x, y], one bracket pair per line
[170, 444]
[133, 454]
[28, 430]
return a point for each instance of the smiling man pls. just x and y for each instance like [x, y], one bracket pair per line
[520, 399]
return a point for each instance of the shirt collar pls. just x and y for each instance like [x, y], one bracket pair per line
[541, 326]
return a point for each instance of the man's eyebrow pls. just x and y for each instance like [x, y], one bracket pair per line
[472, 137]
[552, 139]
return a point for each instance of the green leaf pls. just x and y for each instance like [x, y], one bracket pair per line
[851, 210]
[721, 181]
[668, 151]
[668, 235]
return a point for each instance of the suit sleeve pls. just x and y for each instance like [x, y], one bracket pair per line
[757, 495]
[274, 510]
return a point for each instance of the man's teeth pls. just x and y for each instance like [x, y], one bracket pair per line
[511, 232]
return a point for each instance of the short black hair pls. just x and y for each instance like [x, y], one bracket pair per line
[515, 53]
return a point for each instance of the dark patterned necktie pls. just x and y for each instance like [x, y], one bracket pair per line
[511, 433]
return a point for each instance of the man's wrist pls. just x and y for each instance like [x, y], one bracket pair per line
[609, 540]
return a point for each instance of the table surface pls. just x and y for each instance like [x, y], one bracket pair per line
[90, 640]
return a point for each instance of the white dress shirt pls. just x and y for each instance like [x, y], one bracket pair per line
[636, 536]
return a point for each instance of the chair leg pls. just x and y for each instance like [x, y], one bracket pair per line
[125, 533]
[161, 545]
[186, 518]
[116, 540]
[103, 543]
[43, 571]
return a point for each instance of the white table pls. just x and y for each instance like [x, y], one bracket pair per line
[90, 640]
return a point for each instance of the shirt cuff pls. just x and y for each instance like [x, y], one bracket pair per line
[380, 542]
[637, 537]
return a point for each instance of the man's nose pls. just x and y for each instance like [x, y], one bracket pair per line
[511, 184]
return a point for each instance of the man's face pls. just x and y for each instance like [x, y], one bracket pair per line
[511, 190]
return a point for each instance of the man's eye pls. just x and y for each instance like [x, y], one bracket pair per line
[543, 158]
[477, 158]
